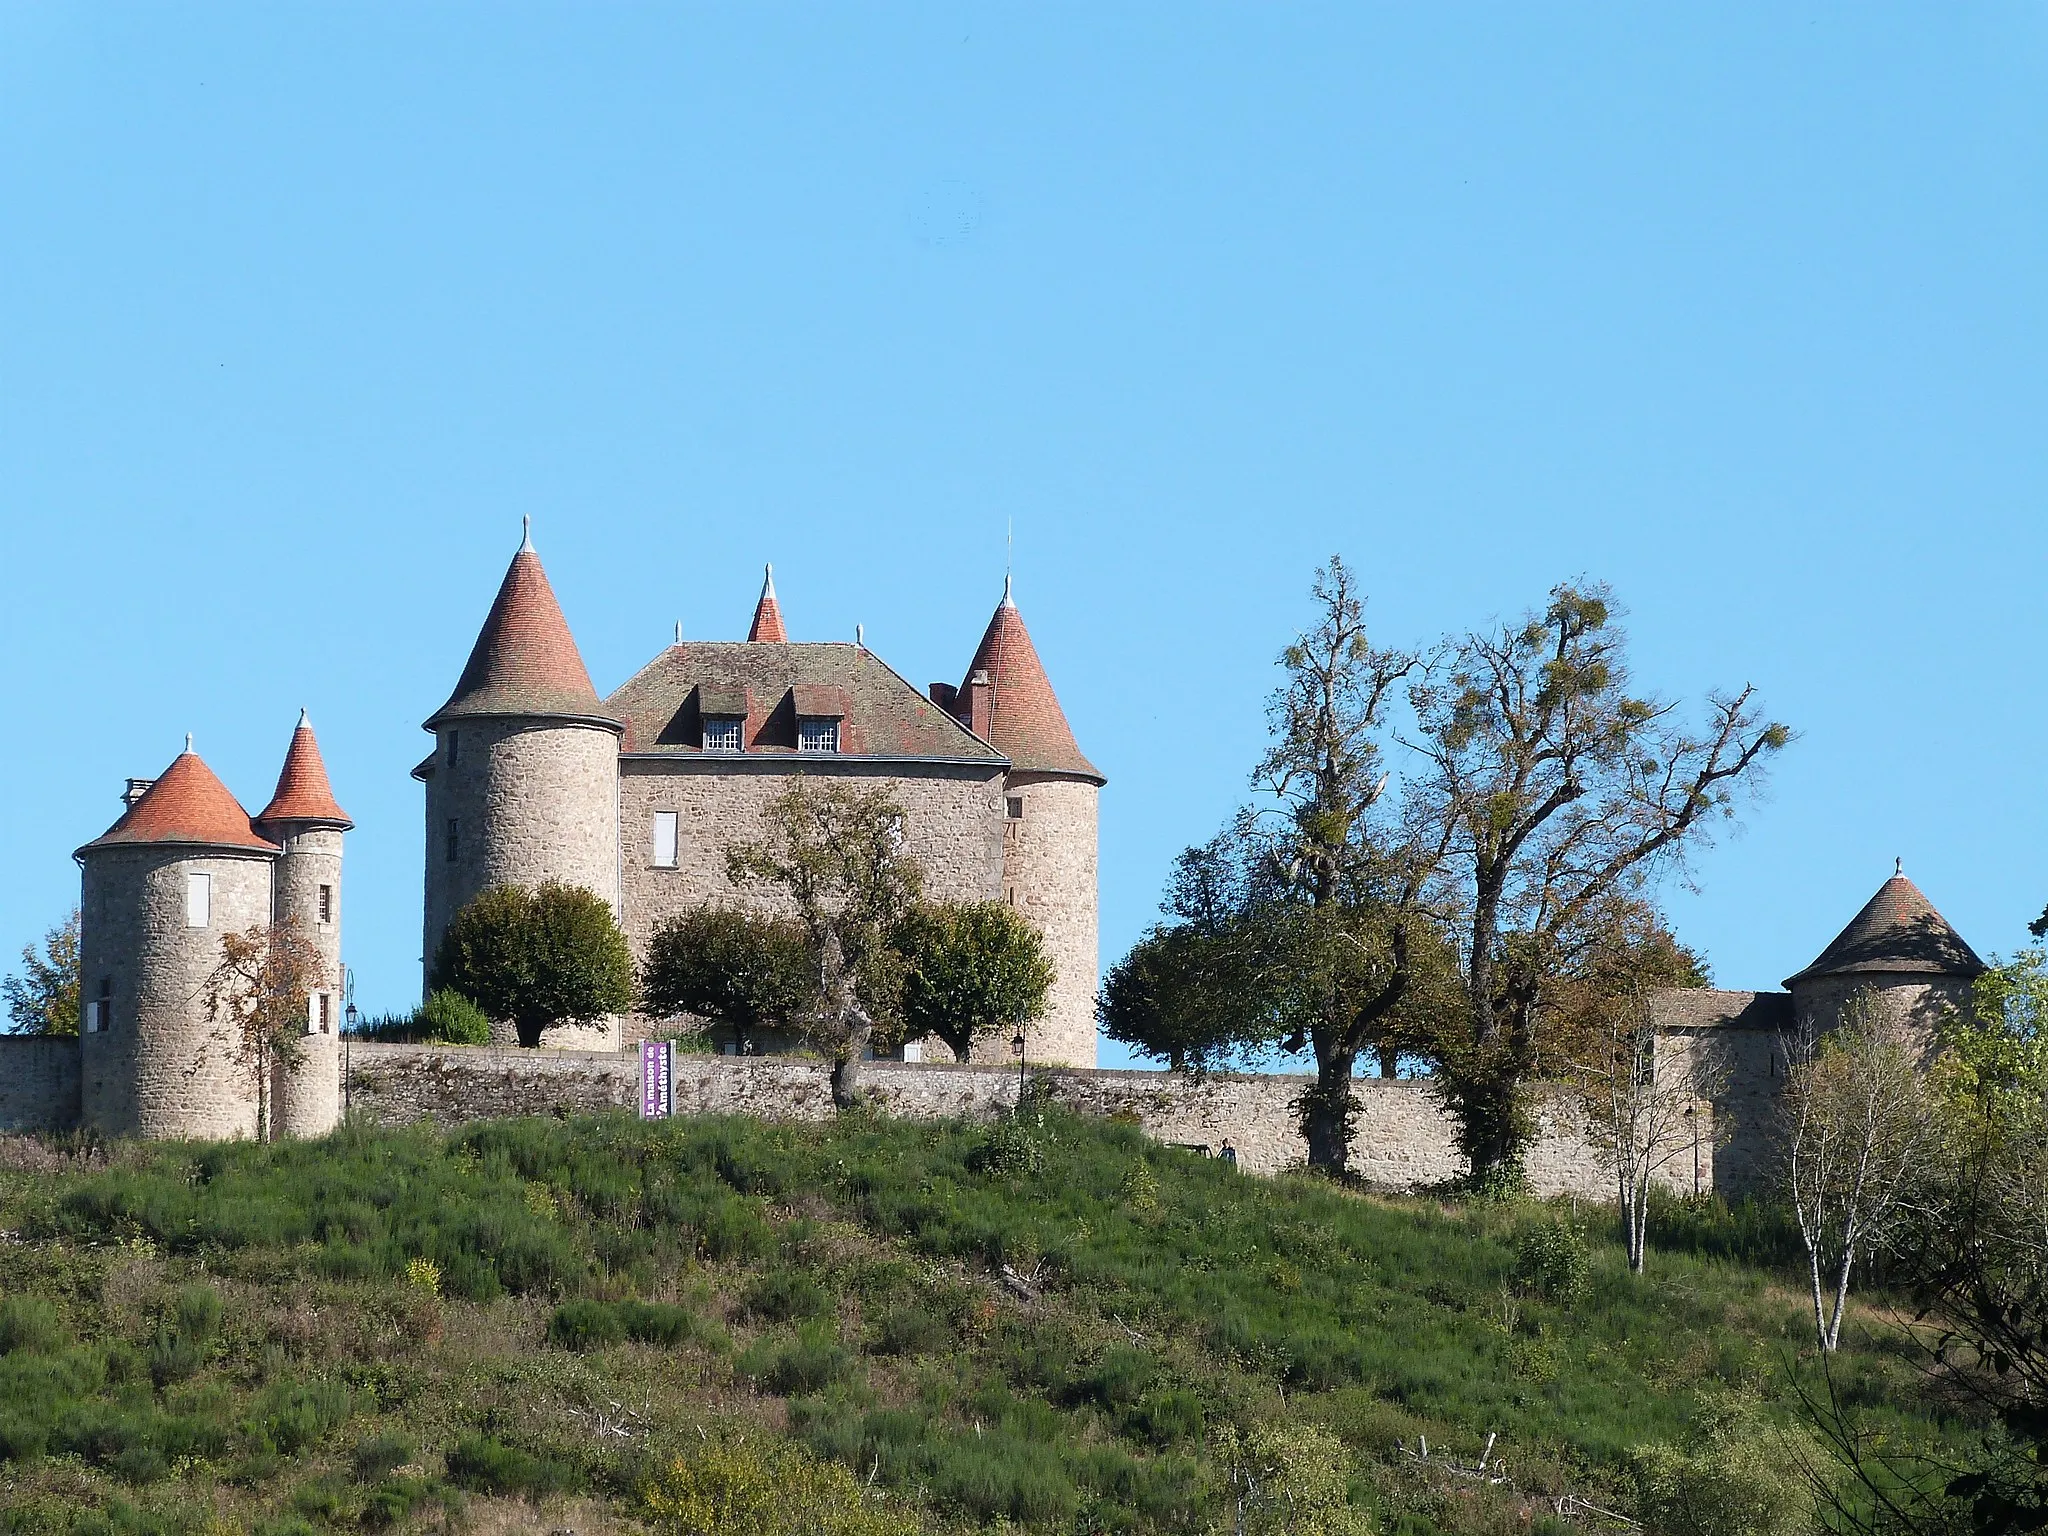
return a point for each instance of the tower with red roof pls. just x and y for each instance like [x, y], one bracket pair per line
[183, 866]
[523, 782]
[1050, 795]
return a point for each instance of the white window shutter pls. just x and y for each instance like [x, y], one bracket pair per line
[198, 900]
[665, 839]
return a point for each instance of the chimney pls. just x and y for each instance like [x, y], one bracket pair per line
[945, 695]
[980, 704]
[136, 789]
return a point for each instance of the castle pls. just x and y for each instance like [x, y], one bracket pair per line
[533, 777]
[637, 796]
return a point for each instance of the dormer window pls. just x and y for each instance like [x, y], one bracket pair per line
[817, 734]
[722, 733]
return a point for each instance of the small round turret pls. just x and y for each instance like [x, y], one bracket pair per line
[182, 867]
[1898, 957]
[1049, 827]
[307, 825]
[523, 783]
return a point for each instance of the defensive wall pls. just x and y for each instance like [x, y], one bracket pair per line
[1402, 1139]
[39, 1082]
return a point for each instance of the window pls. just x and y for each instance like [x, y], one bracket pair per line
[99, 1012]
[1015, 805]
[722, 733]
[454, 747]
[320, 1013]
[664, 839]
[817, 735]
[326, 903]
[198, 900]
[454, 839]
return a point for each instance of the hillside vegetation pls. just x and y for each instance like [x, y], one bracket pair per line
[868, 1327]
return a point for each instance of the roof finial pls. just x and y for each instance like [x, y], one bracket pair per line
[526, 535]
[768, 580]
[188, 741]
[305, 720]
[679, 631]
[860, 637]
[1898, 866]
[1009, 558]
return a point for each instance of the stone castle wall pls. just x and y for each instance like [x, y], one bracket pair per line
[1403, 1139]
[38, 1083]
[954, 814]
[1049, 875]
[1916, 1005]
[162, 1069]
[308, 1093]
[531, 801]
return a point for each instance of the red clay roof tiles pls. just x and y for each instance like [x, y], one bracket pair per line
[1027, 724]
[303, 793]
[525, 661]
[189, 804]
[1898, 930]
[767, 623]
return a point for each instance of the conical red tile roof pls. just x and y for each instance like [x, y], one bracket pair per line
[1026, 723]
[189, 804]
[1898, 930]
[767, 623]
[303, 793]
[525, 661]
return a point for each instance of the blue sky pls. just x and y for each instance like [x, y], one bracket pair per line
[1741, 308]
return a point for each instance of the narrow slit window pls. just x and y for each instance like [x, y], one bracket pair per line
[98, 1013]
[454, 747]
[198, 900]
[454, 839]
[819, 735]
[665, 839]
[326, 903]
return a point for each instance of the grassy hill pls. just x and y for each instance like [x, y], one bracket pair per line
[600, 1324]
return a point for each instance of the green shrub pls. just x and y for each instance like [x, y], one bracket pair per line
[381, 1454]
[1008, 1150]
[784, 1294]
[484, 1464]
[293, 1415]
[30, 1325]
[197, 1312]
[451, 1019]
[586, 1325]
[911, 1331]
[1553, 1261]
[1735, 1475]
[750, 1488]
[791, 1367]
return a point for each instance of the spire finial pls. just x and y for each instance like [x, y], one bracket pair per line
[679, 631]
[526, 535]
[1008, 601]
[305, 720]
[860, 637]
[1899, 866]
[188, 741]
[768, 580]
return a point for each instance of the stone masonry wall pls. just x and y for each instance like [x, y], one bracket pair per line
[163, 1070]
[308, 1094]
[1916, 1004]
[531, 800]
[1049, 875]
[954, 811]
[1402, 1141]
[38, 1082]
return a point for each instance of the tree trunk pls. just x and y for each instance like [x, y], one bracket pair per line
[529, 1032]
[1390, 1062]
[1327, 1110]
[857, 1030]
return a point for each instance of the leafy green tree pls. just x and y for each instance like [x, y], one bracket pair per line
[43, 1000]
[839, 855]
[537, 956]
[1310, 923]
[1737, 1474]
[746, 970]
[257, 994]
[970, 969]
[1551, 785]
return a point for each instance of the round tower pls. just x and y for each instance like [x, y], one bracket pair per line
[307, 825]
[1898, 957]
[523, 782]
[1049, 828]
[181, 867]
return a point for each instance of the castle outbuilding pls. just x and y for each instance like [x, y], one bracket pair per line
[184, 865]
[637, 796]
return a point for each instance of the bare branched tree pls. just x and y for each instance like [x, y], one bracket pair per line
[257, 996]
[1860, 1142]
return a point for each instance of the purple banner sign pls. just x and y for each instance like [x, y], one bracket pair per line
[654, 1094]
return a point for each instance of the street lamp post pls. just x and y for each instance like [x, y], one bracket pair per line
[1017, 1050]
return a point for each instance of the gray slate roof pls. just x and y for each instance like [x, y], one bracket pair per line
[1709, 1008]
[1897, 932]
